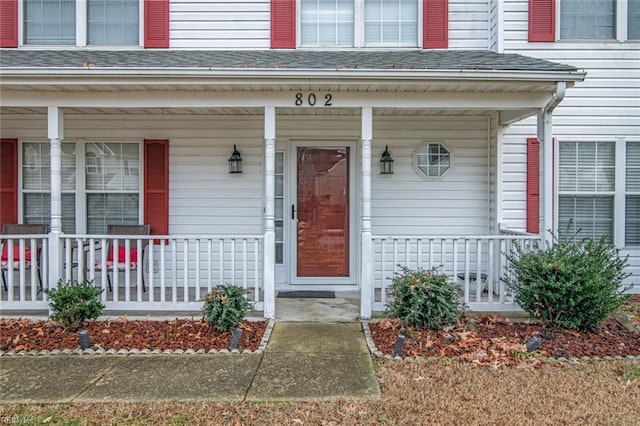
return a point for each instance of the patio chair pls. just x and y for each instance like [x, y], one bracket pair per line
[30, 261]
[136, 260]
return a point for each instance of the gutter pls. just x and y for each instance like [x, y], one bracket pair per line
[545, 136]
[13, 75]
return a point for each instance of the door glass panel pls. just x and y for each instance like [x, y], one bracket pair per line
[323, 212]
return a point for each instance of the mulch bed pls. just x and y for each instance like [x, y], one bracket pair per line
[27, 335]
[496, 340]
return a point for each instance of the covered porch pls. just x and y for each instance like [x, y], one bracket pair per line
[237, 228]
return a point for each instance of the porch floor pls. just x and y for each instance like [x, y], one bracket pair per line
[345, 307]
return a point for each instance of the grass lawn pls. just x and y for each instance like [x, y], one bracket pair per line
[431, 392]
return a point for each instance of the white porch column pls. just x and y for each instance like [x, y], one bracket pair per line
[366, 245]
[269, 265]
[545, 138]
[55, 134]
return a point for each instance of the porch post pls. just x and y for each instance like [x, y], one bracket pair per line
[55, 134]
[269, 217]
[366, 246]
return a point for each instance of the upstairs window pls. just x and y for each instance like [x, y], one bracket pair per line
[50, 22]
[326, 23]
[391, 22]
[588, 19]
[338, 23]
[113, 22]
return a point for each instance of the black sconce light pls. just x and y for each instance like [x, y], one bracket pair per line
[386, 162]
[235, 161]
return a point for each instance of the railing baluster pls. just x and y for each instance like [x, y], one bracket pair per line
[185, 270]
[139, 270]
[256, 263]
[244, 265]
[209, 264]
[127, 275]
[34, 261]
[466, 271]
[479, 281]
[174, 284]
[163, 278]
[383, 277]
[233, 261]
[490, 270]
[221, 257]
[150, 274]
[22, 268]
[197, 290]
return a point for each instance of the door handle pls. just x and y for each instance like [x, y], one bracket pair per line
[293, 211]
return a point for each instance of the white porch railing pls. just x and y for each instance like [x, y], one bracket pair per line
[462, 259]
[25, 269]
[156, 273]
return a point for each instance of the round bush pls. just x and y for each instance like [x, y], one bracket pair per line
[73, 303]
[225, 307]
[424, 299]
[570, 283]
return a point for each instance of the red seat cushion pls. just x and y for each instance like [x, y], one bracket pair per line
[16, 253]
[122, 255]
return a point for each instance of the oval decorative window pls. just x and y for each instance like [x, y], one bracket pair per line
[432, 160]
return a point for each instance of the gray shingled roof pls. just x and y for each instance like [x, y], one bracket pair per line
[277, 59]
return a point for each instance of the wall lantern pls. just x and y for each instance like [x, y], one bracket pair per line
[386, 162]
[235, 161]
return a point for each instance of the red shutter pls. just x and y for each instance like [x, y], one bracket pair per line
[542, 20]
[283, 24]
[8, 181]
[533, 185]
[156, 186]
[156, 24]
[435, 31]
[8, 23]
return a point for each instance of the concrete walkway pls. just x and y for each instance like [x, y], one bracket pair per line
[302, 361]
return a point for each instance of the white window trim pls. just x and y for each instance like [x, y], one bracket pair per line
[81, 30]
[619, 193]
[358, 30]
[620, 22]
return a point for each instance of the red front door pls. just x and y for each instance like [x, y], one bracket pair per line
[322, 204]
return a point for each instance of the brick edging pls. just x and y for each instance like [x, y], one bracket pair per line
[261, 348]
[378, 353]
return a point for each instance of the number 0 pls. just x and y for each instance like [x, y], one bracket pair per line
[311, 99]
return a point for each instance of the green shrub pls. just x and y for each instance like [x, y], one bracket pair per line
[73, 303]
[571, 283]
[225, 307]
[424, 299]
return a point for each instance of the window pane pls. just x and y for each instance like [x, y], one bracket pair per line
[633, 20]
[112, 166]
[632, 216]
[50, 22]
[587, 19]
[587, 166]
[279, 206]
[37, 210]
[36, 166]
[105, 209]
[391, 22]
[592, 215]
[113, 22]
[326, 23]
[633, 166]
[433, 160]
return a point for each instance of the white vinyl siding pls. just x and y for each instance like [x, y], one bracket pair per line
[49, 22]
[113, 22]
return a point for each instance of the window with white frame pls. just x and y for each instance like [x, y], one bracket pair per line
[587, 188]
[49, 22]
[390, 22]
[632, 200]
[279, 201]
[588, 19]
[113, 195]
[102, 22]
[432, 160]
[113, 22]
[633, 19]
[108, 192]
[344, 23]
[36, 184]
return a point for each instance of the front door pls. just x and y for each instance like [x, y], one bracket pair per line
[322, 215]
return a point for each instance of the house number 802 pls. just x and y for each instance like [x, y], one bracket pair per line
[312, 100]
